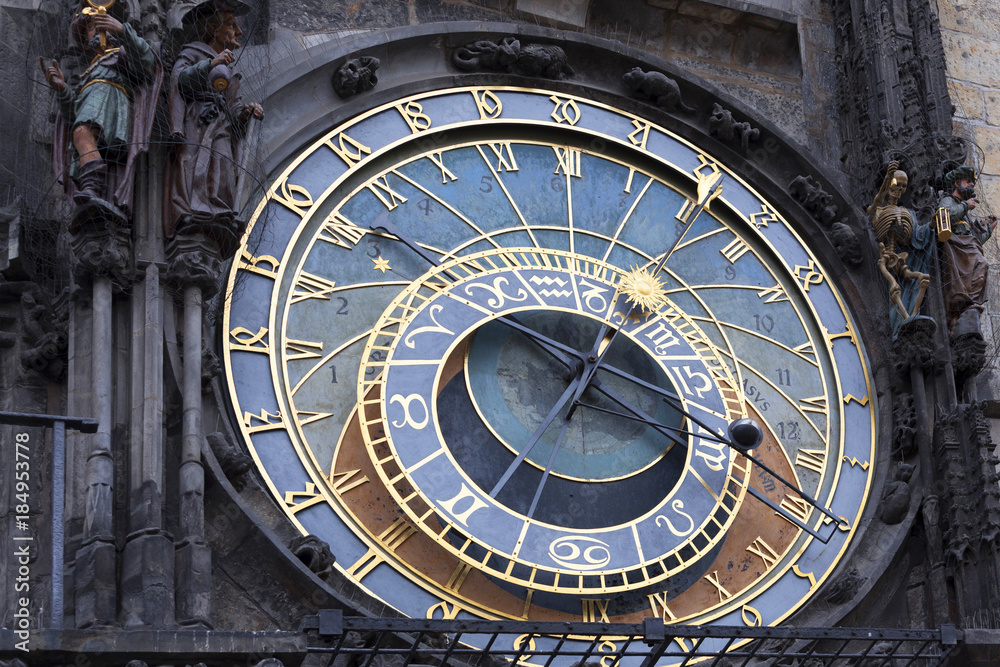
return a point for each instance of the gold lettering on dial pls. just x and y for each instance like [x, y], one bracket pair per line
[677, 505]
[462, 517]
[458, 576]
[565, 111]
[761, 548]
[499, 297]
[808, 275]
[734, 250]
[714, 580]
[413, 114]
[579, 552]
[343, 482]
[595, 610]
[488, 103]
[449, 610]
[265, 265]
[751, 617]
[640, 134]
[567, 160]
[392, 538]
[340, 231]
[797, 507]
[244, 340]
[811, 459]
[714, 462]
[295, 197]
[309, 286]
[504, 155]
[658, 601]
[380, 188]
[804, 575]
[593, 297]
[302, 349]
[306, 417]
[296, 501]
[774, 294]
[267, 421]
[349, 150]
[764, 216]
[438, 160]
[814, 404]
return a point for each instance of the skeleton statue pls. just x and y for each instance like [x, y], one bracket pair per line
[894, 226]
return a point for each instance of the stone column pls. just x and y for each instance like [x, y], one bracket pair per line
[101, 260]
[194, 266]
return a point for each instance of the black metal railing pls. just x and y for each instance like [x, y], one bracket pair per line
[488, 643]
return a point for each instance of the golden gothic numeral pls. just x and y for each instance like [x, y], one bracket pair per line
[296, 501]
[265, 265]
[565, 111]
[449, 610]
[488, 104]
[640, 135]
[295, 197]
[764, 216]
[808, 274]
[751, 617]
[413, 114]
[265, 421]
[244, 340]
[349, 150]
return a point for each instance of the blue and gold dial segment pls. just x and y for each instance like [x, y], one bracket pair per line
[392, 354]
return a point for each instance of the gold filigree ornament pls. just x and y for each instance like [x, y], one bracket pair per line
[642, 289]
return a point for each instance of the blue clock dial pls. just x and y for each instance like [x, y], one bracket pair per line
[487, 344]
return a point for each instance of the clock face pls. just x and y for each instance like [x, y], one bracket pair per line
[488, 343]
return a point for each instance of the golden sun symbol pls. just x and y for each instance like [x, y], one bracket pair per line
[642, 289]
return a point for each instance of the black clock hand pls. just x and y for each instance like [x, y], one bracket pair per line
[638, 415]
[536, 436]
[548, 468]
[553, 347]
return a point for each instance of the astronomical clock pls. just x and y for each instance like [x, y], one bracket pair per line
[514, 353]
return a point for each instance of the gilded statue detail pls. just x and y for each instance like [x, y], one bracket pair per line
[906, 272]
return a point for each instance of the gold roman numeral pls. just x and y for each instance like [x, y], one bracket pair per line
[392, 538]
[736, 249]
[567, 160]
[811, 459]
[595, 610]
[340, 231]
[302, 349]
[343, 482]
[658, 601]
[310, 286]
[438, 161]
[774, 294]
[504, 155]
[797, 507]
[458, 577]
[714, 580]
[761, 548]
[380, 188]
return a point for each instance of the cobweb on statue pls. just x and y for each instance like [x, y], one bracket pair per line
[31, 194]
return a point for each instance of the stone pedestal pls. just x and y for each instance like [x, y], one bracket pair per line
[148, 581]
[193, 581]
[94, 583]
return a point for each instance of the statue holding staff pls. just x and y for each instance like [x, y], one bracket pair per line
[104, 120]
[208, 123]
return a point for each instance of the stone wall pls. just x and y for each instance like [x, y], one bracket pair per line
[971, 35]
[777, 56]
